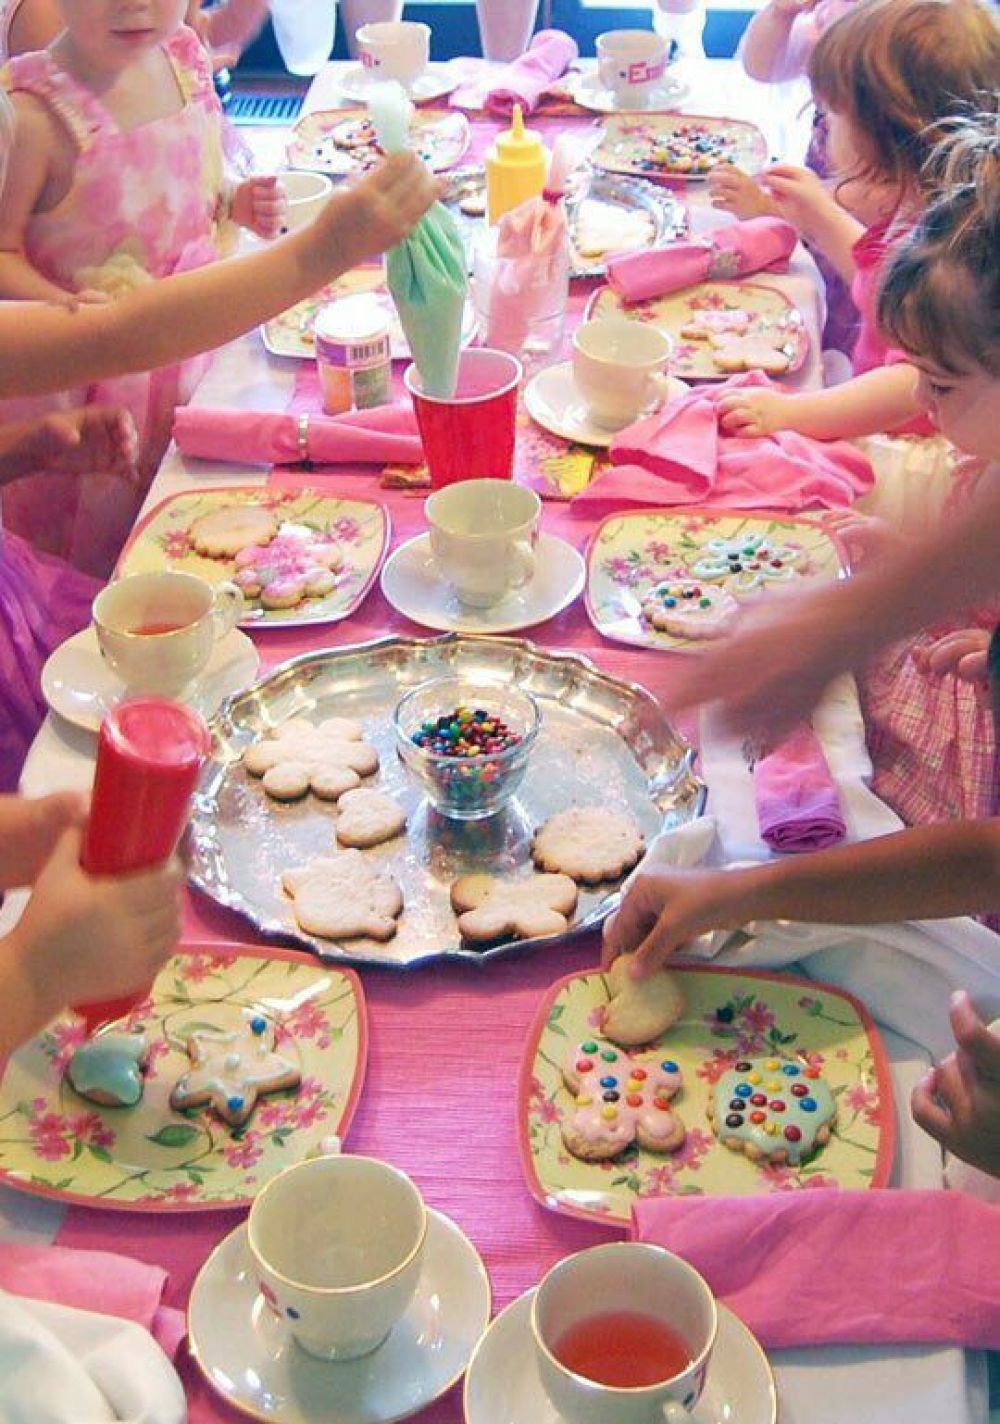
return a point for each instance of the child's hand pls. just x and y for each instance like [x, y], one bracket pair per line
[965, 654]
[798, 195]
[86, 297]
[29, 830]
[736, 192]
[754, 412]
[958, 1103]
[89, 440]
[378, 212]
[84, 938]
[260, 205]
[663, 910]
[865, 537]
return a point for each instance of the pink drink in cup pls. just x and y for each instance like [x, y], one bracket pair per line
[149, 756]
[470, 435]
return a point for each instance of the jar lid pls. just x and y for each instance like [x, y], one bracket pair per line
[352, 319]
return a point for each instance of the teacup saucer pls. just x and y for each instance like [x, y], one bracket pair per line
[78, 684]
[247, 1355]
[590, 93]
[554, 402]
[502, 1382]
[436, 81]
[412, 584]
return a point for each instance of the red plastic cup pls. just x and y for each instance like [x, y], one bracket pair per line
[470, 435]
[149, 756]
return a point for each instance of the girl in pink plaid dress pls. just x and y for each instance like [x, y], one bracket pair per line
[117, 178]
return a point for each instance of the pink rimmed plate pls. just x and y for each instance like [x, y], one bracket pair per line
[666, 147]
[342, 141]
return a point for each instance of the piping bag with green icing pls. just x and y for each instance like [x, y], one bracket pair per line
[427, 270]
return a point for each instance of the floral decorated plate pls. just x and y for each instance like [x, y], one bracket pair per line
[671, 146]
[361, 528]
[763, 313]
[631, 553]
[342, 141]
[729, 1014]
[152, 1158]
[291, 333]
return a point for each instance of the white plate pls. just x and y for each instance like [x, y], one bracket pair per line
[554, 402]
[502, 1383]
[588, 91]
[412, 585]
[78, 684]
[434, 83]
[247, 1355]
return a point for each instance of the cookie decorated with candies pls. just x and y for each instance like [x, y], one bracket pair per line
[618, 1099]
[772, 1110]
[746, 565]
[689, 609]
[289, 569]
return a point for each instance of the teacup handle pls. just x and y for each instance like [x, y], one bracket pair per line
[674, 1413]
[230, 606]
[660, 386]
[522, 563]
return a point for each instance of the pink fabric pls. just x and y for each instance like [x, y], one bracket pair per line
[523, 82]
[756, 245]
[680, 456]
[798, 808]
[94, 1280]
[384, 435]
[817, 1268]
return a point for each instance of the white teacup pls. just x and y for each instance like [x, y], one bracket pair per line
[157, 630]
[483, 534]
[619, 367]
[641, 1280]
[305, 194]
[631, 63]
[395, 49]
[337, 1245]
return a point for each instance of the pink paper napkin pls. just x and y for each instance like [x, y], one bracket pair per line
[385, 435]
[680, 456]
[97, 1281]
[841, 1267]
[756, 245]
[523, 82]
[798, 808]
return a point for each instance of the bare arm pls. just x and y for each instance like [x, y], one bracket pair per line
[883, 399]
[803, 199]
[28, 173]
[773, 47]
[928, 872]
[35, 25]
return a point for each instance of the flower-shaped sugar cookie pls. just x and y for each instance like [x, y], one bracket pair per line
[772, 1110]
[619, 1098]
[289, 569]
[716, 321]
[344, 897]
[745, 565]
[327, 758]
[491, 909]
[751, 352]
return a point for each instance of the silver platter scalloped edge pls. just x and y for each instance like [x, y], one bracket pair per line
[602, 741]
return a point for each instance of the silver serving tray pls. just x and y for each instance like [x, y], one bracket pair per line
[602, 742]
[666, 211]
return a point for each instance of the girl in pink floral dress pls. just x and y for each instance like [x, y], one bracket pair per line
[117, 178]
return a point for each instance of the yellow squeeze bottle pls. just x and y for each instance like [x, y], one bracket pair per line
[516, 168]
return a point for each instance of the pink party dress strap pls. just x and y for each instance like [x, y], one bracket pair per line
[37, 73]
[193, 68]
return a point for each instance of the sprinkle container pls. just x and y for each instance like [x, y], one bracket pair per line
[353, 355]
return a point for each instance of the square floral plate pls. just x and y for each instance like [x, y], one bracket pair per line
[342, 141]
[291, 333]
[163, 541]
[772, 316]
[631, 553]
[149, 1157]
[729, 1014]
[657, 146]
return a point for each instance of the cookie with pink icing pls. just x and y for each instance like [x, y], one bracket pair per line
[687, 609]
[724, 321]
[290, 568]
[619, 1098]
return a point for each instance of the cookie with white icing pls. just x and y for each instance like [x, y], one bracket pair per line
[344, 897]
[772, 1110]
[619, 1098]
[745, 565]
[716, 321]
[224, 532]
[289, 569]
[590, 844]
[231, 1070]
[687, 609]
[108, 1069]
[490, 909]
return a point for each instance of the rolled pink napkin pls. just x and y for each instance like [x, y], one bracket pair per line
[94, 1280]
[385, 435]
[841, 1267]
[680, 456]
[798, 808]
[524, 81]
[756, 245]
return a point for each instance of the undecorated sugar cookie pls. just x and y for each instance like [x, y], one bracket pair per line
[687, 609]
[289, 569]
[367, 818]
[640, 1010]
[750, 353]
[328, 758]
[772, 1110]
[619, 1099]
[230, 1071]
[224, 532]
[108, 1069]
[589, 843]
[490, 909]
[344, 897]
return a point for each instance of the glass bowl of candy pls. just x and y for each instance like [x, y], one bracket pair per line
[467, 742]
